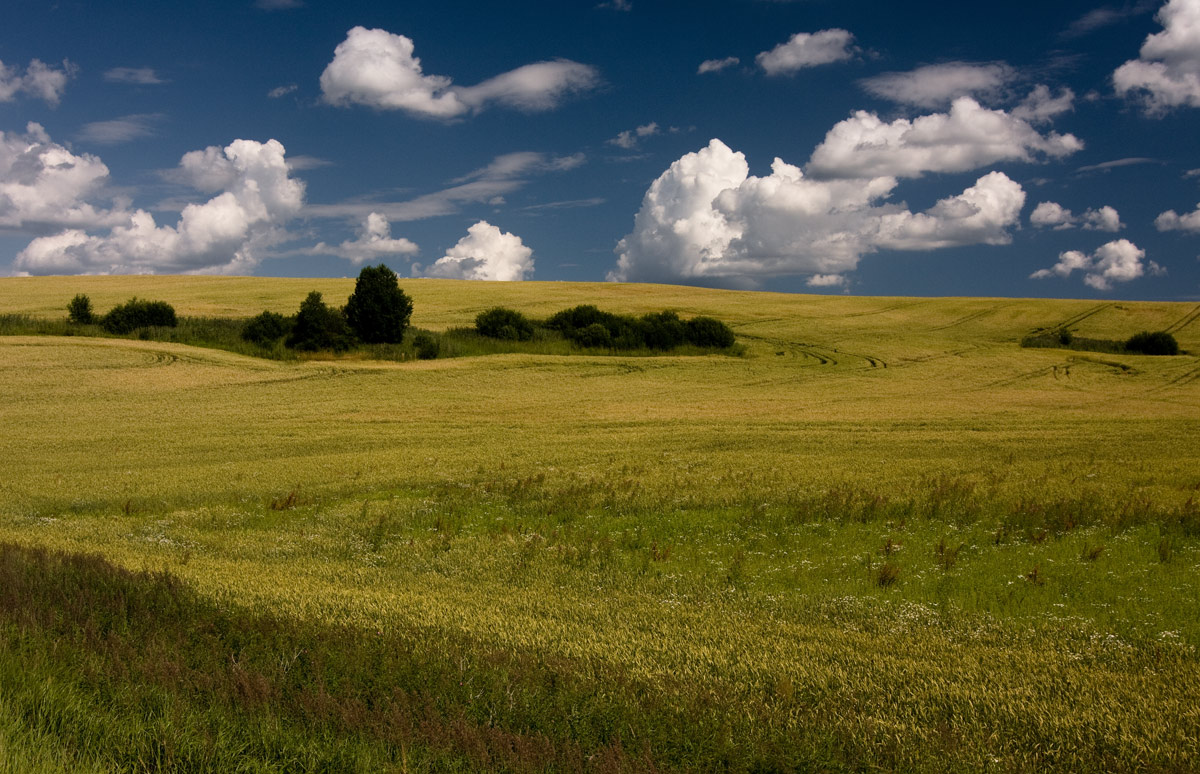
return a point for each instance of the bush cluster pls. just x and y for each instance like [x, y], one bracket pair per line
[267, 328]
[79, 311]
[1156, 343]
[588, 326]
[136, 313]
[501, 323]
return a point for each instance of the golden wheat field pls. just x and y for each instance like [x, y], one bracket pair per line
[883, 537]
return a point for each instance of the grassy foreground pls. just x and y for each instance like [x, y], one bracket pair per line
[887, 538]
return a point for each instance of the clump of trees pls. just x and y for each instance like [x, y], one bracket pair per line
[501, 323]
[1144, 343]
[137, 313]
[128, 317]
[377, 312]
[589, 327]
[1156, 343]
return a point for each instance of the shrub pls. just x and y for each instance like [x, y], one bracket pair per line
[568, 321]
[663, 330]
[1157, 343]
[594, 335]
[136, 313]
[708, 332]
[502, 323]
[318, 327]
[266, 328]
[79, 311]
[426, 346]
[378, 311]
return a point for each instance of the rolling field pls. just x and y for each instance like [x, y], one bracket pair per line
[885, 537]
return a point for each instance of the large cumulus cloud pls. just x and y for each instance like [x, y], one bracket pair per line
[1166, 75]
[223, 234]
[377, 68]
[969, 136]
[44, 186]
[707, 220]
[485, 253]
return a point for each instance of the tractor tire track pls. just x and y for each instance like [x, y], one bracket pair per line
[1184, 321]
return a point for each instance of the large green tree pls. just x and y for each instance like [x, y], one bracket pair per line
[378, 310]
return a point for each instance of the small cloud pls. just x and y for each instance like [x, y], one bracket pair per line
[1191, 173]
[628, 139]
[282, 91]
[141, 76]
[569, 204]
[1108, 165]
[120, 130]
[277, 5]
[1052, 215]
[376, 68]
[301, 163]
[1098, 18]
[826, 281]
[717, 65]
[1117, 261]
[617, 5]
[1173, 221]
[374, 243]
[806, 49]
[938, 85]
[40, 80]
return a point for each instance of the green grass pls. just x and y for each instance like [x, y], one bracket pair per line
[886, 537]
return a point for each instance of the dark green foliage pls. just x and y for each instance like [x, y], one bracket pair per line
[426, 346]
[502, 323]
[266, 328]
[594, 335]
[318, 327]
[79, 311]
[658, 330]
[708, 332]
[663, 330]
[378, 311]
[135, 314]
[1156, 343]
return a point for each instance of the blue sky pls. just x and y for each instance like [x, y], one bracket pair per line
[922, 148]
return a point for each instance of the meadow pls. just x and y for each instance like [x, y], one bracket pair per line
[882, 537]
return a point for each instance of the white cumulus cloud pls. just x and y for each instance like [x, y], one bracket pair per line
[44, 186]
[967, 137]
[376, 68]
[222, 234]
[374, 243]
[485, 253]
[1116, 261]
[39, 80]
[1173, 221]
[934, 86]
[707, 220]
[805, 49]
[1166, 75]
[1054, 215]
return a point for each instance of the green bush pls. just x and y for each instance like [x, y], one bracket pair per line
[378, 311]
[135, 314]
[708, 332]
[266, 328]
[426, 346]
[1156, 343]
[663, 330]
[79, 311]
[319, 327]
[502, 323]
[594, 335]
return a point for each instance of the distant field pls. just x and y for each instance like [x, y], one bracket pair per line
[885, 538]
